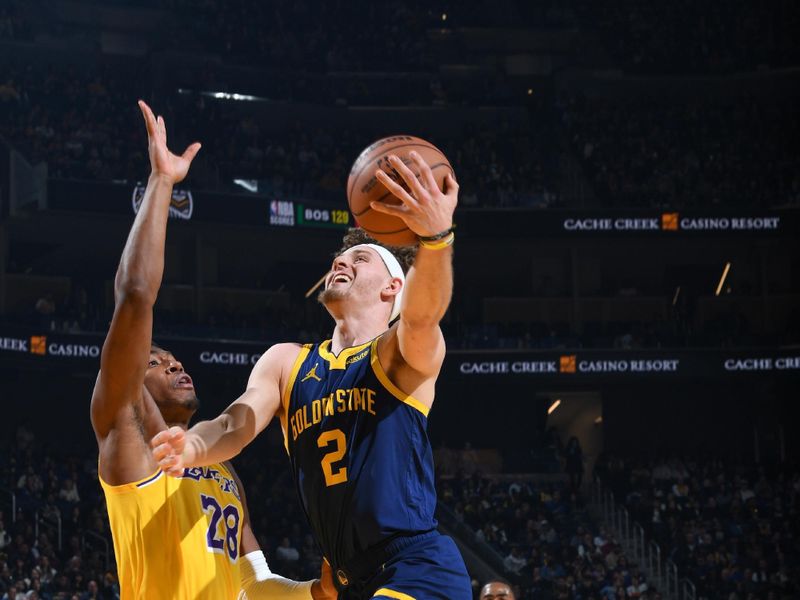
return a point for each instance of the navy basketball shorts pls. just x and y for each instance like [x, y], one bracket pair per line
[429, 569]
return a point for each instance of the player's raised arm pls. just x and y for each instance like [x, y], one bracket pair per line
[226, 436]
[428, 212]
[127, 345]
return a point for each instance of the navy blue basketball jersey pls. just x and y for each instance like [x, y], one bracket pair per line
[359, 451]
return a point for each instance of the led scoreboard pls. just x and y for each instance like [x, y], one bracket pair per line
[314, 216]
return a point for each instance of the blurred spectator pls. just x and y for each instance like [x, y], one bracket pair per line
[4, 539]
[69, 492]
[515, 562]
[497, 590]
[286, 552]
[46, 305]
[92, 591]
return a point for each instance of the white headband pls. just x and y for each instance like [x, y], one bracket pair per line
[395, 270]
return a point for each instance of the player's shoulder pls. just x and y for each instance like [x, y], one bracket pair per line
[279, 359]
[285, 351]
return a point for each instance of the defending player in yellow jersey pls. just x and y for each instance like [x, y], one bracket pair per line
[185, 538]
[202, 519]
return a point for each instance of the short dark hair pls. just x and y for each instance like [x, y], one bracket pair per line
[501, 581]
[356, 236]
[155, 349]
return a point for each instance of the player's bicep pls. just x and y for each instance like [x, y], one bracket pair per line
[253, 410]
[122, 363]
[423, 348]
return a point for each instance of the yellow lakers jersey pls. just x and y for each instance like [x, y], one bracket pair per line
[177, 538]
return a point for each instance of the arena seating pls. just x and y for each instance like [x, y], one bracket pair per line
[730, 527]
[551, 546]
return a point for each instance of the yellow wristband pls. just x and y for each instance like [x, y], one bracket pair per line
[440, 244]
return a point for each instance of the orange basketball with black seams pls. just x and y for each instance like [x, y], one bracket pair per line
[363, 187]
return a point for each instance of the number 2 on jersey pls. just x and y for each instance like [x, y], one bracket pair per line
[335, 436]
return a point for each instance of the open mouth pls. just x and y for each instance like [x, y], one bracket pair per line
[340, 278]
[184, 382]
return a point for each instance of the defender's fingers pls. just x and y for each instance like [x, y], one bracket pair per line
[149, 118]
[162, 127]
[191, 151]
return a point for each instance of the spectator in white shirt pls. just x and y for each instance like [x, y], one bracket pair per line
[515, 562]
[286, 552]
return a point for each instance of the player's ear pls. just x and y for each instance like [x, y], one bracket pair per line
[393, 287]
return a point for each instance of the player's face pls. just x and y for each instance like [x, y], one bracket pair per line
[167, 381]
[496, 591]
[358, 274]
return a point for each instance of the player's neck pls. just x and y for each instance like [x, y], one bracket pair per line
[354, 330]
[178, 418]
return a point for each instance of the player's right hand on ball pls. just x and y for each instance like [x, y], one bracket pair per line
[168, 447]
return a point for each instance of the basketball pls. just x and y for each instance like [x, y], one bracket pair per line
[363, 187]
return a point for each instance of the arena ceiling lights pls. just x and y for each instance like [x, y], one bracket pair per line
[224, 95]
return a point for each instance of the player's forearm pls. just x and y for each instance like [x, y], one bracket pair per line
[429, 288]
[141, 267]
[210, 442]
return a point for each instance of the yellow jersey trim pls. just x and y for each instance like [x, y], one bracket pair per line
[339, 362]
[287, 393]
[387, 593]
[391, 387]
[133, 485]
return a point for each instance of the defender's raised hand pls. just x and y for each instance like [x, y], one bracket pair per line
[426, 210]
[163, 162]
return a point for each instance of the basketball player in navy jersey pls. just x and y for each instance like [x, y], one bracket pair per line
[353, 409]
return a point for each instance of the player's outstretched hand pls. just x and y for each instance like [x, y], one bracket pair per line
[426, 210]
[163, 162]
[323, 588]
[167, 447]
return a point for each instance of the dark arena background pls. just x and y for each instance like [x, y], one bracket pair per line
[627, 268]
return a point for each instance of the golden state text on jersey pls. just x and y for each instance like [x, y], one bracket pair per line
[359, 450]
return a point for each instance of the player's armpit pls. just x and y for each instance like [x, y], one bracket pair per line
[152, 419]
